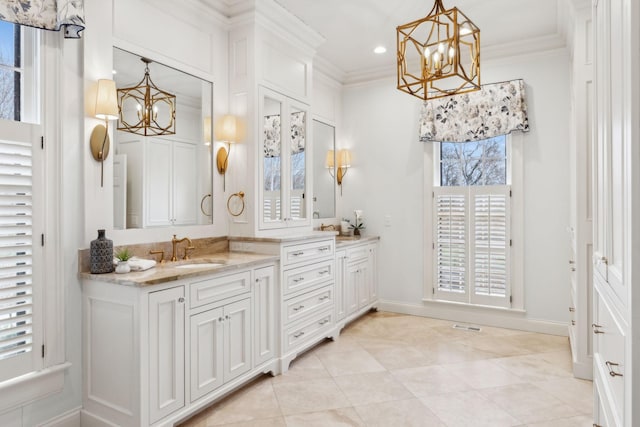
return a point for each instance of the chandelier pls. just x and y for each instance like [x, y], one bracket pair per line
[439, 55]
[146, 109]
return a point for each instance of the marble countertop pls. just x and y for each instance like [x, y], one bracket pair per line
[170, 271]
[286, 238]
[344, 241]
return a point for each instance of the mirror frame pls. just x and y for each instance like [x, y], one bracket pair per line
[335, 220]
[146, 235]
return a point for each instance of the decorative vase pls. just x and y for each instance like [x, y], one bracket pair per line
[101, 254]
[356, 231]
[123, 267]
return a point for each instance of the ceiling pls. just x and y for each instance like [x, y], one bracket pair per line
[352, 28]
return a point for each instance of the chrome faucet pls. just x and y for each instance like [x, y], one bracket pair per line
[174, 245]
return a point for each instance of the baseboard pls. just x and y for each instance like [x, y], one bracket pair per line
[68, 419]
[477, 316]
[88, 419]
[584, 371]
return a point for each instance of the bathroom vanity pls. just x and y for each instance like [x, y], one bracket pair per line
[161, 344]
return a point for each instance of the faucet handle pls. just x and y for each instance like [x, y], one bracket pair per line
[161, 252]
[186, 251]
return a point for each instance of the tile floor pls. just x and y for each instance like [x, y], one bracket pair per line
[394, 371]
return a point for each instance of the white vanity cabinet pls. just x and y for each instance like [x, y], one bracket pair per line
[155, 354]
[307, 295]
[164, 191]
[356, 281]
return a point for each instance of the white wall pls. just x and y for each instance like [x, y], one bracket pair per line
[380, 125]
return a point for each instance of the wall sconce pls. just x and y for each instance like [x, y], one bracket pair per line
[227, 131]
[106, 109]
[343, 159]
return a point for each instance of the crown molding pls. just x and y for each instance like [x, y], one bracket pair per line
[508, 50]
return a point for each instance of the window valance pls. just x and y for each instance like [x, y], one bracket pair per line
[46, 14]
[496, 109]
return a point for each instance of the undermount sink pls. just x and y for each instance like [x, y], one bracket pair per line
[200, 265]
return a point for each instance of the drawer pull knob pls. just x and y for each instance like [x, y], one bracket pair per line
[297, 253]
[324, 248]
[323, 322]
[324, 298]
[324, 272]
[571, 261]
[298, 280]
[595, 329]
[597, 425]
[604, 260]
[299, 334]
[220, 319]
[573, 323]
[573, 269]
[300, 307]
[571, 309]
[610, 366]
[181, 300]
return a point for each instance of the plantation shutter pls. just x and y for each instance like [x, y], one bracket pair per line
[451, 243]
[489, 232]
[472, 246]
[19, 337]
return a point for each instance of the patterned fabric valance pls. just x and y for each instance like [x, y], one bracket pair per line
[46, 14]
[272, 134]
[496, 109]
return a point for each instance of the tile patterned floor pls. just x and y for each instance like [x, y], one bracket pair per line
[393, 370]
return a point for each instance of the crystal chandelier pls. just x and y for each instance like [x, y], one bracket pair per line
[146, 109]
[439, 55]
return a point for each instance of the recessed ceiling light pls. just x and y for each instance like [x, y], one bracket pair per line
[380, 50]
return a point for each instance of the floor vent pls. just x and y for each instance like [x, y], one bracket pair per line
[467, 328]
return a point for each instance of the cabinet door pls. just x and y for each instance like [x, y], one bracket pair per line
[372, 271]
[166, 352]
[206, 352]
[351, 287]
[264, 294]
[157, 182]
[237, 338]
[185, 202]
[298, 158]
[272, 159]
[364, 290]
[341, 286]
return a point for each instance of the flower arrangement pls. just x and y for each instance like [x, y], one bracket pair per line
[358, 224]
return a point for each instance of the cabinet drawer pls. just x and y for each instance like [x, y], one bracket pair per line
[307, 276]
[305, 331]
[609, 354]
[307, 251]
[357, 253]
[308, 303]
[217, 288]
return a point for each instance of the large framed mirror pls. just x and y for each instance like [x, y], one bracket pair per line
[324, 195]
[162, 180]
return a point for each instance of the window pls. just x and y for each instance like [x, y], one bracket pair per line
[471, 223]
[21, 204]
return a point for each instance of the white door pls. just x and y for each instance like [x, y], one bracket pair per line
[166, 352]
[206, 352]
[351, 287]
[237, 337]
[362, 283]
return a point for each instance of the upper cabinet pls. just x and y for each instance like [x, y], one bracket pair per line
[270, 83]
[283, 164]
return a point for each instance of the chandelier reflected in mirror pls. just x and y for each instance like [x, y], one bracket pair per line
[439, 55]
[146, 109]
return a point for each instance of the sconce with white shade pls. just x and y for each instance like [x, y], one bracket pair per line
[106, 109]
[343, 159]
[226, 132]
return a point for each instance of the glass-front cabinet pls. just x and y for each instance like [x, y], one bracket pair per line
[284, 159]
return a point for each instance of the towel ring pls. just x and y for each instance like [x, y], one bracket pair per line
[202, 205]
[235, 212]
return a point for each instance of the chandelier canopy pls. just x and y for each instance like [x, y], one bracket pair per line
[439, 55]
